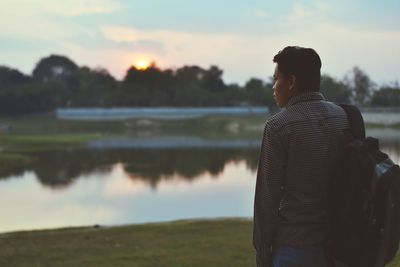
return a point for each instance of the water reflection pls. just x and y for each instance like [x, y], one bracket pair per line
[60, 169]
[118, 197]
[153, 159]
[110, 183]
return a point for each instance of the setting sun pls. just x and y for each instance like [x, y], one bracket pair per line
[142, 64]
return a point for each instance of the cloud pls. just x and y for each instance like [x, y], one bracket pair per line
[300, 12]
[79, 7]
[48, 19]
[242, 53]
[122, 34]
[180, 47]
[303, 16]
[63, 8]
[246, 55]
[257, 12]
[31, 20]
[36, 28]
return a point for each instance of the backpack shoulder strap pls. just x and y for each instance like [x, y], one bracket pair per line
[355, 119]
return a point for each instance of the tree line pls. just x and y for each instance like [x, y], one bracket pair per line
[57, 81]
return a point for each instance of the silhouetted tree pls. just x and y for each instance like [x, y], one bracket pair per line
[90, 88]
[20, 95]
[58, 82]
[235, 95]
[360, 84]
[149, 87]
[386, 97]
[27, 98]
[12, 77]
[54, 67]
[259, 93]
[212, 79]
[334, 90]
[187, 87]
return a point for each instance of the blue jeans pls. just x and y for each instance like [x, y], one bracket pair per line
[307, 256]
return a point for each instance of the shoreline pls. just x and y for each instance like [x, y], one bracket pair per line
[124, 225]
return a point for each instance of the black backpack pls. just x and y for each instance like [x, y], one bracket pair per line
[363, 200]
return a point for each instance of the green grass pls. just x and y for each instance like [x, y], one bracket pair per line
[10, 161]
[209, 126]
[215, 126]
[182, 243]
[48, 125]
[18, 150]
[32, 143]
[222, 242]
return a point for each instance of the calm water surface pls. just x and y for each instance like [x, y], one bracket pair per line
[126, 181]
[117, 197]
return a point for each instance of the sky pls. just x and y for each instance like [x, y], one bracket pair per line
[240, 37]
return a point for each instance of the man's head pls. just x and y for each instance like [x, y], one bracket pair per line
[297, 70]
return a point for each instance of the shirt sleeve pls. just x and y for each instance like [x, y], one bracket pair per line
[269, 188]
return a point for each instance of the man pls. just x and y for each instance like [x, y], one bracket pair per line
[298, 152]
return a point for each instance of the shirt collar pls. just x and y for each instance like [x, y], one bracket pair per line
[304, 97]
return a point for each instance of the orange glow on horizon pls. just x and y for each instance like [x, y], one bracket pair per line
[142, 64]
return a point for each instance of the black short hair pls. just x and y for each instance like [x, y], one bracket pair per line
[303, 63]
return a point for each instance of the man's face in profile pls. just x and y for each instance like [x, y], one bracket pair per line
[282, 88]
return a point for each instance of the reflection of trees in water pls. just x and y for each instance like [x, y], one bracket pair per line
[59, 169]
[166, 164]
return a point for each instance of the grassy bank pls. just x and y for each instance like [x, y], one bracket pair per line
[218, 126]
[18, 150]
[27, 143]
[182, 243]
[224, 242]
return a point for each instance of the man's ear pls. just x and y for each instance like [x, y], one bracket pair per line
[292, 82]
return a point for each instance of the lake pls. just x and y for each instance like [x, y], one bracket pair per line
[135, 179]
